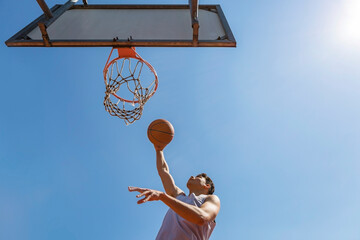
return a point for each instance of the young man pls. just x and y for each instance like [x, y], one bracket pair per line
[190, 217]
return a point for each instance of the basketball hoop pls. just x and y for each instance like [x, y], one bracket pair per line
[126, 94]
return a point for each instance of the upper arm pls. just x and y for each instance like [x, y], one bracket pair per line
[211, 207]
[169, 184]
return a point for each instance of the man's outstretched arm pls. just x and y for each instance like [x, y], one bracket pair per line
[164, 173]
[198, 215]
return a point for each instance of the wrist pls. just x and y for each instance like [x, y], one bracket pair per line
[163, 196]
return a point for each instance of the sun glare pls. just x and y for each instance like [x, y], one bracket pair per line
[349, 24]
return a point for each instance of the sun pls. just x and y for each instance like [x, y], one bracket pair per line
[349, 23]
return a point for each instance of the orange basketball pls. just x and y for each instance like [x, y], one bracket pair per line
[160, 132]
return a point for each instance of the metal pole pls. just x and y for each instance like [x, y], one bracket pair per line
[45, 8]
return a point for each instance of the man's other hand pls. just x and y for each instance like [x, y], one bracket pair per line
[149, 194]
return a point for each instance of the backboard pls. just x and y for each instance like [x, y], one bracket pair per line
[87, 25]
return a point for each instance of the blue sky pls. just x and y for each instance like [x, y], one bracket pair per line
[274, 122]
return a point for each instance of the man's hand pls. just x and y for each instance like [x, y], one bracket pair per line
[150, 194]
[159, 147]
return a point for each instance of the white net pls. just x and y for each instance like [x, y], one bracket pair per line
[126, 94]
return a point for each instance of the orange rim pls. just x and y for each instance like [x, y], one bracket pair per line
[129, 53]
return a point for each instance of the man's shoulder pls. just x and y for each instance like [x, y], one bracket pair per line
[212, 198]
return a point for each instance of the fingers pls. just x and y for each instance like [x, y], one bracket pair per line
[132, 189]
[145, 199]
[148, 194]
[143, 194]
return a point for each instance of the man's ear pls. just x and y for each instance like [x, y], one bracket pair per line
[207, 186]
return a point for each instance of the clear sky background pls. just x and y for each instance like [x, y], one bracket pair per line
[275, 122]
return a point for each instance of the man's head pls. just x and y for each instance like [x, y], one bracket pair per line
[201, 183]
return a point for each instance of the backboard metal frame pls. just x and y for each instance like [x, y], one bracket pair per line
[21, 38]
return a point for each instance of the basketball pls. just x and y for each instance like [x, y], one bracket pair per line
[160, 132]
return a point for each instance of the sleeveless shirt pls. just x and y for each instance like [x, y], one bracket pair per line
[175, 227]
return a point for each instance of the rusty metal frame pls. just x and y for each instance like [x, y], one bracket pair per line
[45, 8]
[21, 40]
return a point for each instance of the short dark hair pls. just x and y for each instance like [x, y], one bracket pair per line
[208, 181]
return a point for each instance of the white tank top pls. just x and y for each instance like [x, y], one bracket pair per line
[175, 227]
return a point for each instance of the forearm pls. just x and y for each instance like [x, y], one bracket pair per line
[189, 212]
[161, 164]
